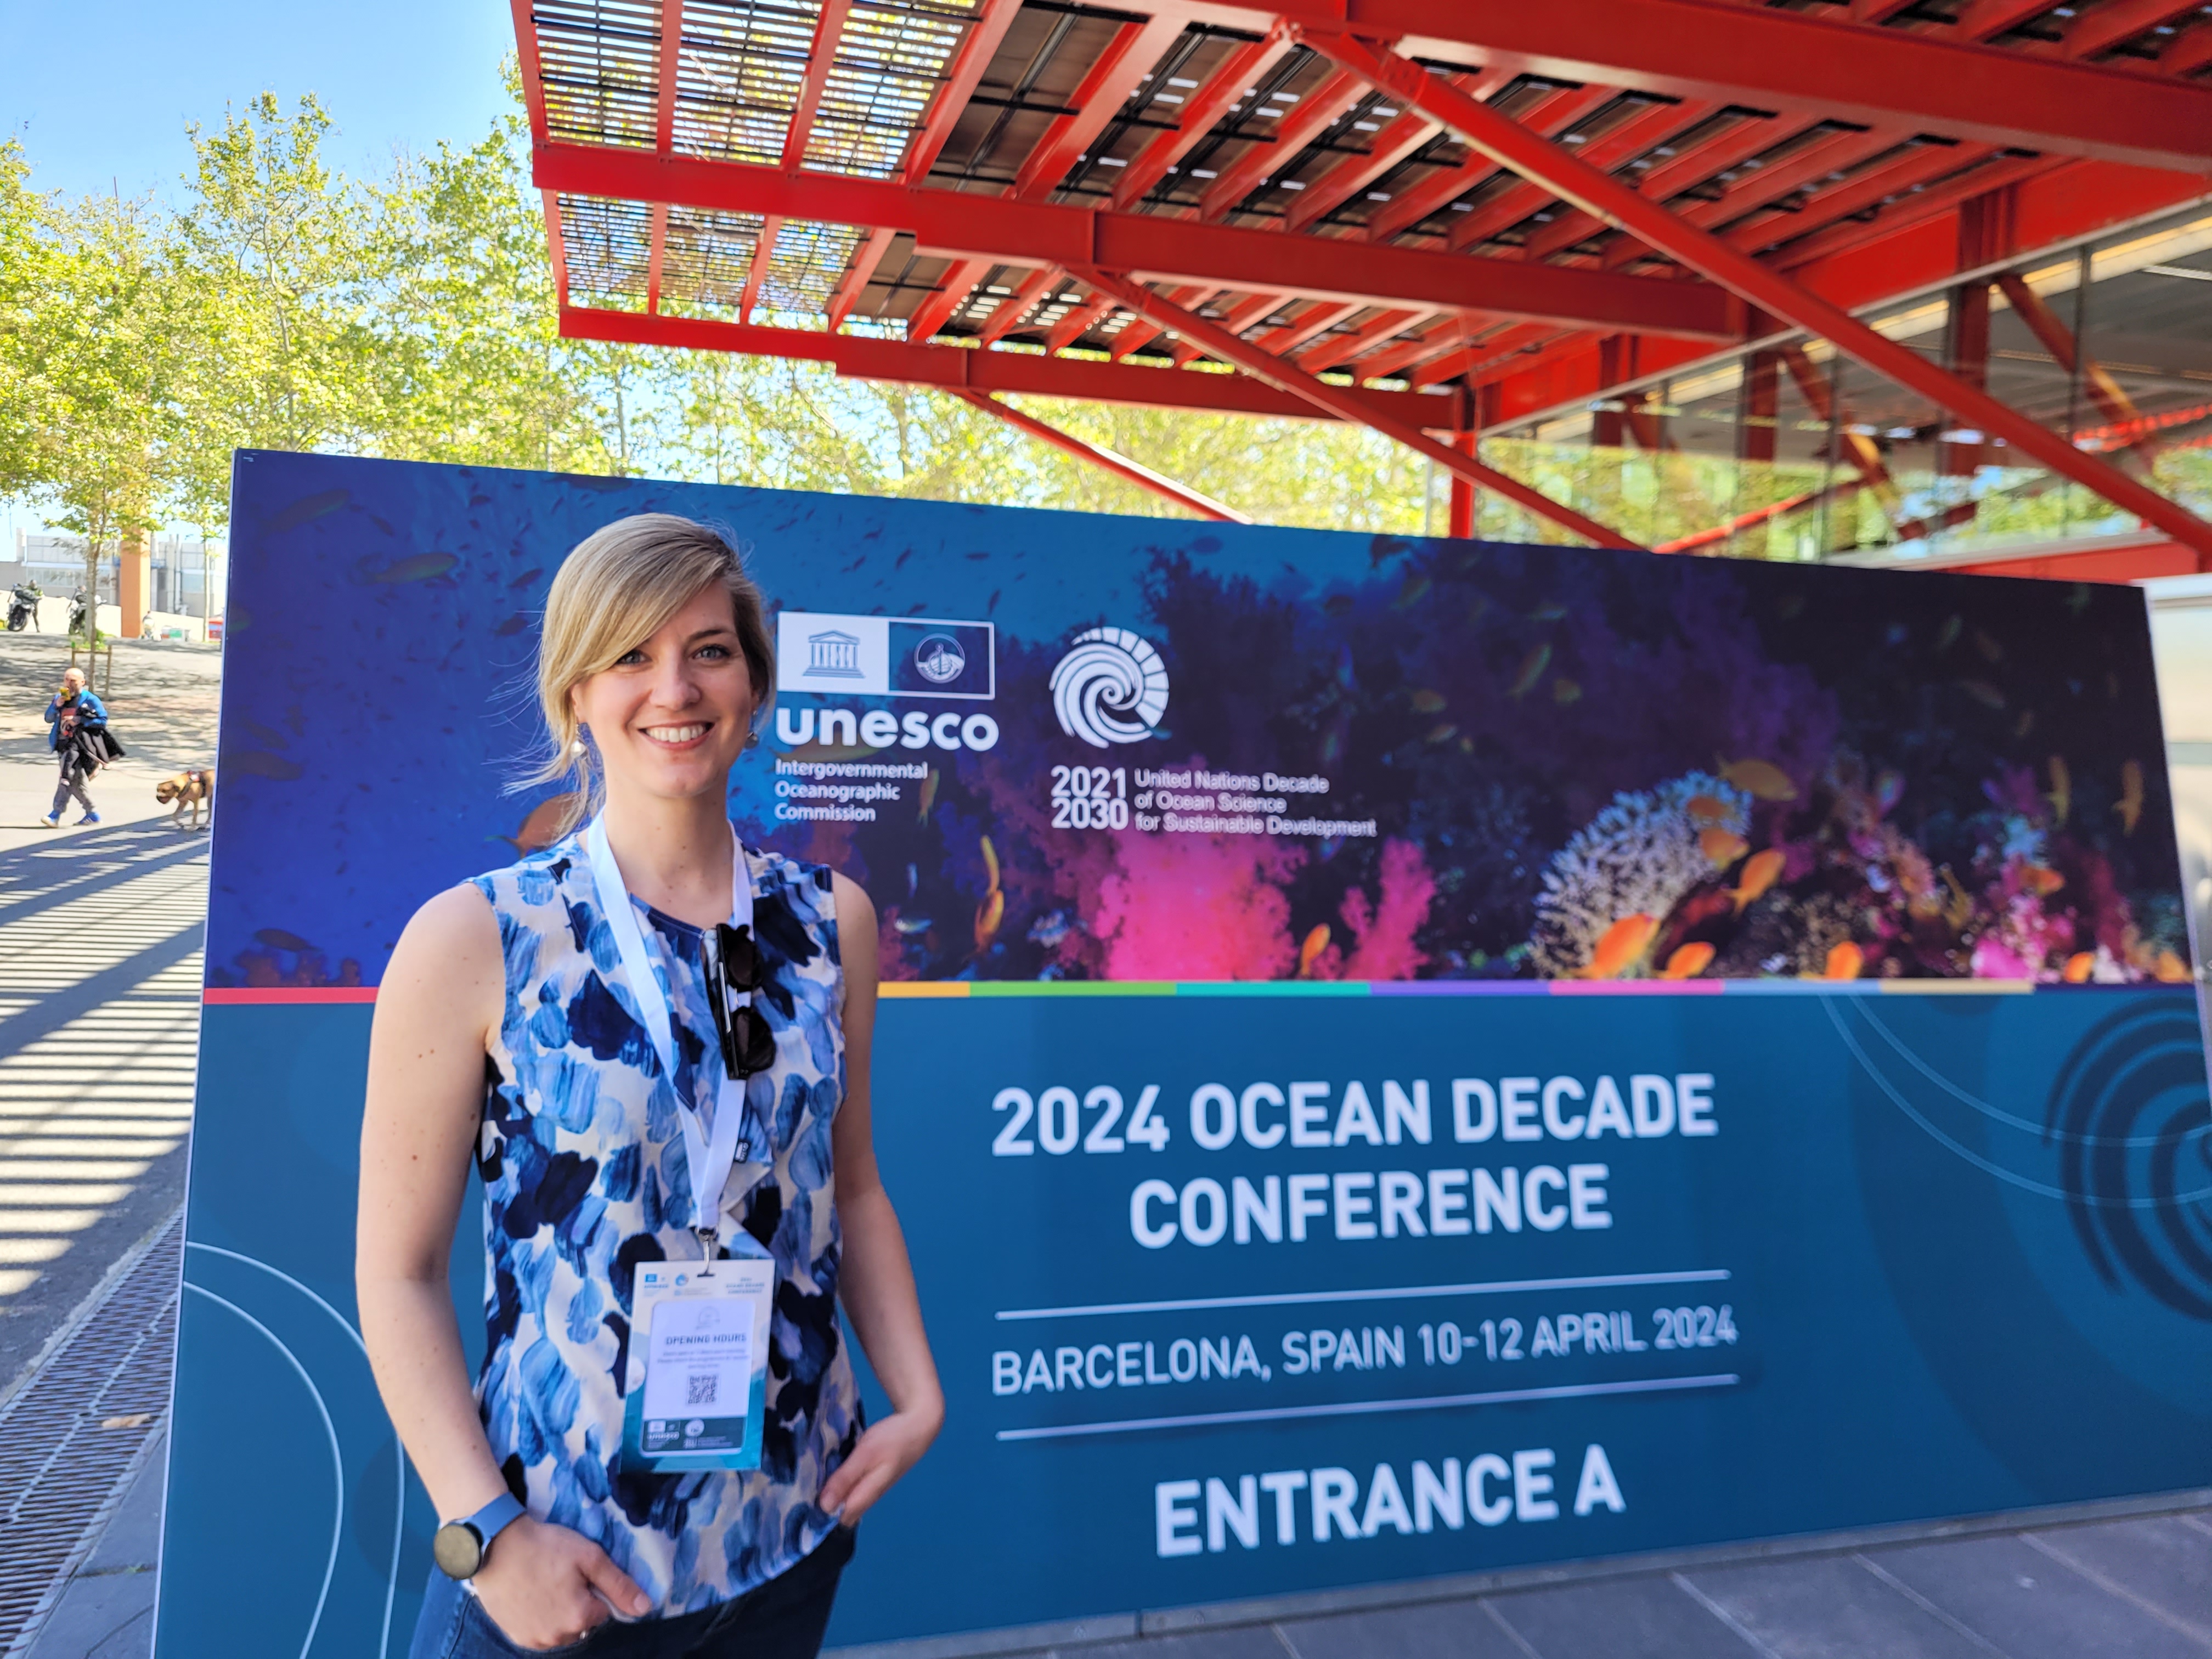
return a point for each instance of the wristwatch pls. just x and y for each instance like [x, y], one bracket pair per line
[461, 1547]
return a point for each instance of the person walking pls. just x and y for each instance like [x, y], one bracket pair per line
[652, 1042]
[76, 731]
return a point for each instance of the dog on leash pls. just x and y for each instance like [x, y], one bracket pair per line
[191, 791]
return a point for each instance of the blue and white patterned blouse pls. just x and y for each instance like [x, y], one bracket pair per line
[583, 1167]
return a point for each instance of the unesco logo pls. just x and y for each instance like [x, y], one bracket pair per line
[939, 660]
[1110, 688]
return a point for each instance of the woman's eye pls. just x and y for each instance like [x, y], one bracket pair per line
[630, 658]
[714, 653]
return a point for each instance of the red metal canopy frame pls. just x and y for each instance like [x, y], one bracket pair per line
[1427, 216]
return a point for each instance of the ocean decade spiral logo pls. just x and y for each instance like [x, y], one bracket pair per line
[1110, 688]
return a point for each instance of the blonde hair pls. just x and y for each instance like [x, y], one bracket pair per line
[617, 590]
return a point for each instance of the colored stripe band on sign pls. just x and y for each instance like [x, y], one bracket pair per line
[216, 996]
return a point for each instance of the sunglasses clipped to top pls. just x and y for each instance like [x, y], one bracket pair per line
[735, 970]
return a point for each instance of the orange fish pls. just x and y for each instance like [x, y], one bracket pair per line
[1983, 693]
[988, 915]
[990, 866]
[1845, 961]
[1443, 733]
[1309, 952]
[2041, 882]
[1711, 808]
[2130, 804]
[1690, 959]
[1622, 946]
[543, 827]
[1532, 669]
[1721, 848]
[1959, 905]
[2061, 792]
[1762, 872]
[929, 793]
[2079, 966]
[1760, 779]
[2171, 969]
[1564, 690]
[1427, 703]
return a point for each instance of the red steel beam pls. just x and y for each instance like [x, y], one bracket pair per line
[1106, 459]
[1198, 116]
[1139, 332]
[1305, 121]
[1353, 173]
[2057, 339]
[1219, 343]
[994, 18]
[1768, 58]
[1519, 199]
[951, 367]
[1605, 198]
[757, 269]
[855, 283]
[1010, 311]
[1683, 171]
[1119, 72]
[1331, 350]
[2190, 52]
[666, 47]
[2121, 19]
[828, 31]
[936, 309]
[1078, 321]
[1000, 230]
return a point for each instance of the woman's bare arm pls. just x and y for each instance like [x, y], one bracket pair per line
[876, 1284]
[440, 1002]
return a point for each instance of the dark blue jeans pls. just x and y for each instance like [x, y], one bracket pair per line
[783, 1619]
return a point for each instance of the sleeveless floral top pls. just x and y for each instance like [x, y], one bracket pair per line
[583, 1175]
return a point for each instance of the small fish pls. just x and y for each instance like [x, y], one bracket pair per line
[1711, 808]
[1983, 693]
[1564, 690]
[988, 915]
[414, 567]
[1888, 790]
[2171, 969]
[990, 865]
[2130, 805]
[1443, 733]
[1843, 962]
[1532, 669]
[2079, 967]
[1688, 961]
[542, 827]
[929, 793]
[277, 939]
[512, 626]
[1949, 635]
[2077, 601]
[308, 508]
[1550, 611]
[2024, 724]
[262, 764]
[525, 579]
[2041, 882]
[1410, 594]
[1722, 847]
[1621, 948]
[1760, 779]
[913, 923]
[1959, 907]
[913, 880]
[1309, 951]
[1761, 872]
[1427, 703]
[1990, 650]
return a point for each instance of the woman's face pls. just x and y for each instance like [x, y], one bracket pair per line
[673, 716]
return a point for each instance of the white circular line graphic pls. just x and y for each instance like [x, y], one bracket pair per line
[1111, 687]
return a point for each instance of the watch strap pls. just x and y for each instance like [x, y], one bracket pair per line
[494, 1518]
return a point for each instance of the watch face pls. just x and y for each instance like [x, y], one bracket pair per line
[457, 1549]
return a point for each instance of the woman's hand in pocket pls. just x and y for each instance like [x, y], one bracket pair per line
[546, 1587]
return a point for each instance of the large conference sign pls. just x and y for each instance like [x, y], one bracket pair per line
[1400, 1058]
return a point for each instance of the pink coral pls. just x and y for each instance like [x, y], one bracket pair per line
[1197, 907]
[1384, 937]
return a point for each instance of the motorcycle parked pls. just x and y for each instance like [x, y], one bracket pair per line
[23, 607]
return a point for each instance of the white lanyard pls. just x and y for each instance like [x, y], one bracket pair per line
[708, 1163]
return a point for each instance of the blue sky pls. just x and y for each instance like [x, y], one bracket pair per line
[100, 91]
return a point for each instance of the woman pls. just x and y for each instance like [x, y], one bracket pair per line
[616, 1131]
[76, 725]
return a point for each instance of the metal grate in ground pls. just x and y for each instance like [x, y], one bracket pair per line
[73, 1437]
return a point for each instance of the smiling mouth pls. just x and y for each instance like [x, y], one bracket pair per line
[675, 736]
